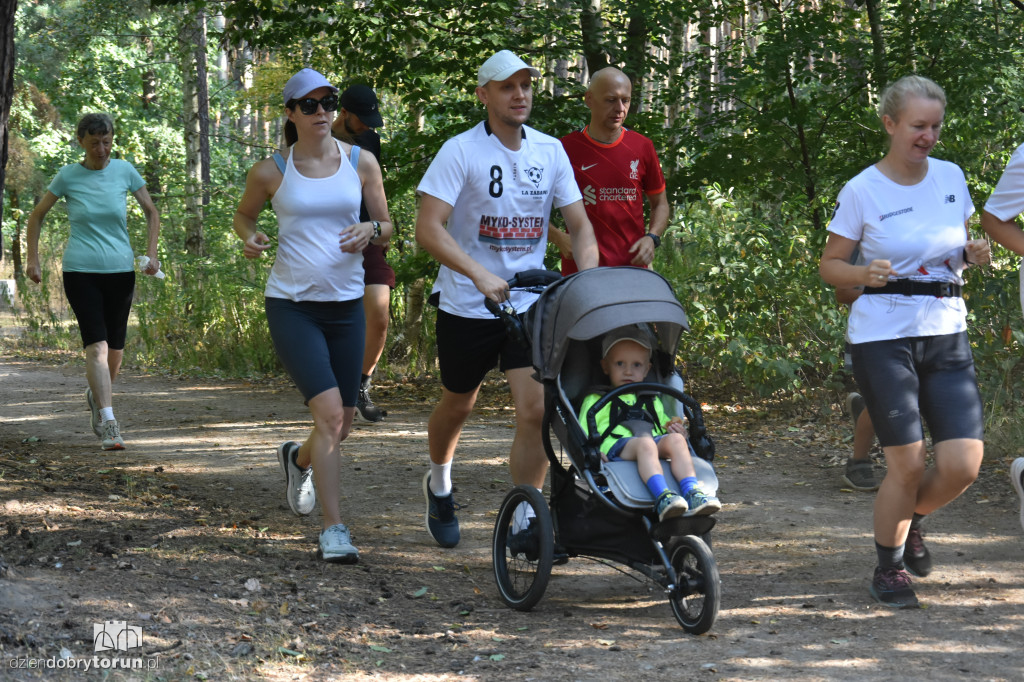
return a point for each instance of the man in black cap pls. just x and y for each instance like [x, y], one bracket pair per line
[358, 115]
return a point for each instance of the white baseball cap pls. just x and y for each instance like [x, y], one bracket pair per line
[305, 82]
[502, 66]
[639, 334]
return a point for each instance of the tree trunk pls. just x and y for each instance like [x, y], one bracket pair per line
[877, 45]
[151, 171]
[415, 297]
[636, 54]
[203, 105]
[14, 199]
[189, 35]
[7, 57]
[593, 36]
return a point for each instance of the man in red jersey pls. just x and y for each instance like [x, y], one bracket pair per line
[615, 168]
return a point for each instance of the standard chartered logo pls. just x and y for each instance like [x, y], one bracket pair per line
[589, 195]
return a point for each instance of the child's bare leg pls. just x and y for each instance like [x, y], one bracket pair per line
[644, 451]
[674, 447]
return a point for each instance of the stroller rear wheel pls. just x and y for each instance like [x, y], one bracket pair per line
[698, 587]
[522, 561]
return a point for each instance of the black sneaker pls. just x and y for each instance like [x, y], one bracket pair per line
[915, 555]
[367, 409]
[524, 542]
[442, 524]
[892, 587]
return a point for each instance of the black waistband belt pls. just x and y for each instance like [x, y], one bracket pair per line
[910, 287]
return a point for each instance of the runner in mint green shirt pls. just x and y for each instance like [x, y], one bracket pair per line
[98, 273]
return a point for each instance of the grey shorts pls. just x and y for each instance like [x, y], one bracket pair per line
[930, 378]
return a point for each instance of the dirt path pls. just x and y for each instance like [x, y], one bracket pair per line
[187, 536]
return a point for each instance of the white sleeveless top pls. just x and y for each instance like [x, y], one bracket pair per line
[311, 212]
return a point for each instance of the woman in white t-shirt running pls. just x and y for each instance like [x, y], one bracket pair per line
[314, 293]
[908, 331]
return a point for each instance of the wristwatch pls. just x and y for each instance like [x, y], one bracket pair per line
[654, 238]
[376, 229]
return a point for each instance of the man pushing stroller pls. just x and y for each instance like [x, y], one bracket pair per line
[646, 434]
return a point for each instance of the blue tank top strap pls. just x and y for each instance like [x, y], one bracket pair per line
[353, 158]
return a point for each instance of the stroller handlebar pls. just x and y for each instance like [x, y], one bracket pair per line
[536, 281]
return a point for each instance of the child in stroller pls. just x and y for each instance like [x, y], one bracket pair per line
[599, 509]
[645, 433]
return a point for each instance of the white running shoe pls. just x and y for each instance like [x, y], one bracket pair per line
[1017, 476]
[298, 482]
[336, 545]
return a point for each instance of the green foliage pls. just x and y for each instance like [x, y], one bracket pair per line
[758, 313]
[759, 117]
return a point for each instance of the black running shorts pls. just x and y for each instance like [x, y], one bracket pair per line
[468, 348]
[101, 302]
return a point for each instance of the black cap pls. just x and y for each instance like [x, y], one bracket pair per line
[362, 101]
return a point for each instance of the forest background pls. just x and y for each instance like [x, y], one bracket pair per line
[760, 112]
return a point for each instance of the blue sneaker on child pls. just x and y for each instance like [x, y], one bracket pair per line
[701, 504]
[669, 505]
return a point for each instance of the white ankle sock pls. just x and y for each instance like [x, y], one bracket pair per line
[106, 414]
[441, 479]
[521, 516]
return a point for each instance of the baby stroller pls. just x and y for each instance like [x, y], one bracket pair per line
[598, 509]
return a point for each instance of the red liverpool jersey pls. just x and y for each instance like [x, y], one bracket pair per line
[614, 178]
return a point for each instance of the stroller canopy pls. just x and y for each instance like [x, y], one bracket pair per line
[592, 302]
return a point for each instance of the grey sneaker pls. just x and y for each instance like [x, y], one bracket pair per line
[860, 475]
[336, 545]
[367, 409]
[97, 425]
[854, 406]
[700, 503]
[298, 482]
[1017, 476]
[112, 436]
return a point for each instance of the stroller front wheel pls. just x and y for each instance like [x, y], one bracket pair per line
[522, 560]
[698, 587]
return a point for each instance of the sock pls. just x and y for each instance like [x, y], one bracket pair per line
[364, 381]
[521, 516]
[915, 522]
[441, 479]
[889, 556]
[106, 414]
[687, 484]
[656, 484]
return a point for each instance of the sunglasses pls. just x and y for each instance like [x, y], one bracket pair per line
[308, 105]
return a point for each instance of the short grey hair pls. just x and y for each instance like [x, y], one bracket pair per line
[895, 97]
[95, 124]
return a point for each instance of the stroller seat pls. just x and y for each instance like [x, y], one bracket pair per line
[625, 484]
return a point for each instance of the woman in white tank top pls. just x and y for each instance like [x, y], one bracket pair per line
[314, 293]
